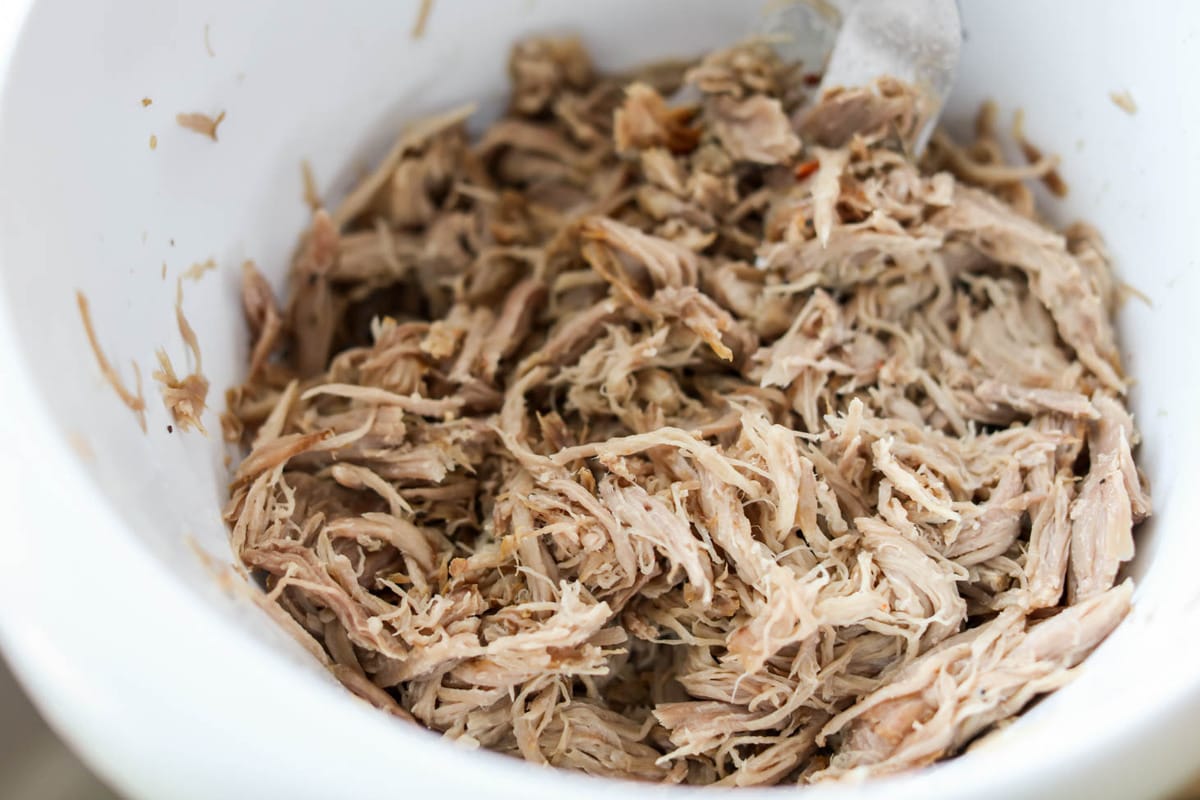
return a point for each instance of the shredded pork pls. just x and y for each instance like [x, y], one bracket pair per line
[719, 443]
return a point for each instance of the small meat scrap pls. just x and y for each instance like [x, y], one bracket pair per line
[423, 12]
[196, 271]
[184, 397]
[1124, 101]
[312, 197]
[679, 429]
[201, 123]
[135, 400]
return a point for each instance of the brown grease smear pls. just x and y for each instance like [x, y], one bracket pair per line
[81, 446]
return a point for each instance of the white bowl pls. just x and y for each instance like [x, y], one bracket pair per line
[170, 685]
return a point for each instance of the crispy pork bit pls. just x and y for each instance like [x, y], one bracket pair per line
[712, 444]
[644, 121]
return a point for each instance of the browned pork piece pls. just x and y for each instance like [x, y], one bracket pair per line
[709, 440]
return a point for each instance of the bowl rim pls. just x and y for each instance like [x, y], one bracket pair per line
[79, 677]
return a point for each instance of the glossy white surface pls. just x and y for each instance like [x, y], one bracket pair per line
[169, 685]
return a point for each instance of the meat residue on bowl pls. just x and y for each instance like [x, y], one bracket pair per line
[201, 123]
[135, 401]
[186, 397]
[713, 443]
[1124, 101]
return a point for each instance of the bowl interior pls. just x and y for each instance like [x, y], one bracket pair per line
[90, 204]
